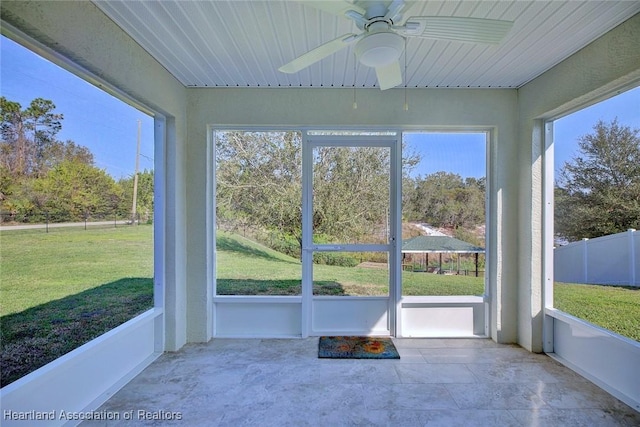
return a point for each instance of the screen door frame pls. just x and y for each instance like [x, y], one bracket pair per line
[351, 315]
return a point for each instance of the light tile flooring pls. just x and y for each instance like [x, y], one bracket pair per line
[437, 382]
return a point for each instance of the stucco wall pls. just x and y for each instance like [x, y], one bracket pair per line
[80, 33]
[428, 109]
[604, 67]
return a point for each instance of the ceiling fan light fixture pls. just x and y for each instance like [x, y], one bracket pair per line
[379, 49]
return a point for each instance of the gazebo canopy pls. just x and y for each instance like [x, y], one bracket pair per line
[438, 244]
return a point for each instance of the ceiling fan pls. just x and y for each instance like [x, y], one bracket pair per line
[382, 41]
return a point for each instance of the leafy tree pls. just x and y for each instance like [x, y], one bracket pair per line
[57, 152]
[444, 199]
[144, 200]
[259, 179]
[351, 192]
[39, 172]
[72, 190]
[598, 191]
[16, 196]
[27, 135]
[259, 183]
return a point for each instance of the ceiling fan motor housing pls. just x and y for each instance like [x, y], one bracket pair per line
[379, 48]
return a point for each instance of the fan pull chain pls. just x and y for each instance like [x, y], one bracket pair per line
[406, 104]
[355, 64]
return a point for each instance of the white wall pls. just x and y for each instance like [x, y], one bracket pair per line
[600, 70]
[81, 33]
[609, 64]
[79, 37]
[583, 347]
[84, 378]
[472, 109]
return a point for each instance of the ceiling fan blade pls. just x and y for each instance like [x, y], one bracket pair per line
[318, 53]
[389, 76]
[394, 11]
[473, 30]
[336, 7]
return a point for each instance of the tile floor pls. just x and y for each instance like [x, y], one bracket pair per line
[437, 382]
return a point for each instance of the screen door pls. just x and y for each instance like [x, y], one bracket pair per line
[349, 237]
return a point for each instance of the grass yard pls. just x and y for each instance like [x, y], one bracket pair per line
[612, 307]
[248, 268]
[39, 267]
[61, 289]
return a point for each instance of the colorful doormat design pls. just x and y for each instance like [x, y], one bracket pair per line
[357, 348]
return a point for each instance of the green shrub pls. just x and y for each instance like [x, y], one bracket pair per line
[333, 258]
[283, 243]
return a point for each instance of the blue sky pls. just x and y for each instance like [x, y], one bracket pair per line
[567, 130]
[108, 127]
[460, 153]
[92, 118]
[464, 154]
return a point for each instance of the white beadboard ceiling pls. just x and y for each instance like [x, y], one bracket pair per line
[243, 43]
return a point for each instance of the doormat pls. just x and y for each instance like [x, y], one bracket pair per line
[357, 348]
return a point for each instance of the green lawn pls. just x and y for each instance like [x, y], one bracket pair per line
[61, 289]
[248, 268]
[612, 307]
[39, 267]
[245, 267]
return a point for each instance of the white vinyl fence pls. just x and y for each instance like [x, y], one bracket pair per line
[607, 260]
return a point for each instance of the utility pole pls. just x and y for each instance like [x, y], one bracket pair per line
[135, 178]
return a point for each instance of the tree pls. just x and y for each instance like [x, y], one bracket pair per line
[598, 191]
[144, 200]
[444, 199]
[57, 152]
[351, 192]
[259, 183]
[27, 135]
[259, 179]
[32, 161]
[72, 190]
